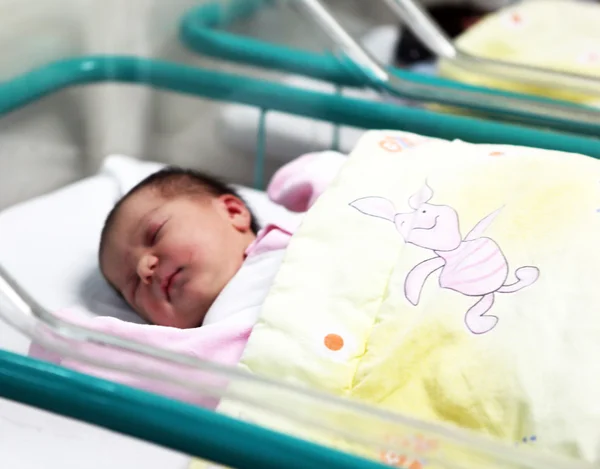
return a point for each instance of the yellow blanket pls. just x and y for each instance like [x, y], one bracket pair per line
[562, 35]
[453, 283]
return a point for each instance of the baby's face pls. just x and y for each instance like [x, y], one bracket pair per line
[170, 259]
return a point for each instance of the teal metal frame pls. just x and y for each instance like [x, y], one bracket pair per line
[189, 429]
[166, 422]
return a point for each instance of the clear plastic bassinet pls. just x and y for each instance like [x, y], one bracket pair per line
[203, 433]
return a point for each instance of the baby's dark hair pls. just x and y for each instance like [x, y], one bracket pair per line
[173, 182]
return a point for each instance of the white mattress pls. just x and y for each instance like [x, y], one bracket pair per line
[49, 246]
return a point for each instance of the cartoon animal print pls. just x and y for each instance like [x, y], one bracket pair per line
[474, 266]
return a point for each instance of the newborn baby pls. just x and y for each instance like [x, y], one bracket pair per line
[173, 243]
[184, 251]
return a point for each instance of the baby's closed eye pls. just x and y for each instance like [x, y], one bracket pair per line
[153, 231]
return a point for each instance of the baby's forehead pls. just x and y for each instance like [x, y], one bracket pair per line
[136, 206]
[133, 211]
[127, 216]
[139, 206]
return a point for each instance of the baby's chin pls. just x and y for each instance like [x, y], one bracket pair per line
[187, 319]
[194, 298]
[179, 318]
[181, 323]
[190, 317]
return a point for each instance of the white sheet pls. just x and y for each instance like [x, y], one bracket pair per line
[49, 246]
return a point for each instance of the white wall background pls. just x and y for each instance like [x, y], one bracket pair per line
[54, 141]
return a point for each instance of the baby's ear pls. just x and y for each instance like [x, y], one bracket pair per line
[237, 212]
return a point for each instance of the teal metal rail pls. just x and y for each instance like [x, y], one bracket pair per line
[166, 422]
[274, 96]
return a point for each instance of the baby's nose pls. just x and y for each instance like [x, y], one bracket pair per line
[146, 268]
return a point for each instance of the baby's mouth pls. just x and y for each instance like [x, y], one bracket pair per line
[168, 283]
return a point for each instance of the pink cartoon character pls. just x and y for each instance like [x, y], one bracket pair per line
[474, 266]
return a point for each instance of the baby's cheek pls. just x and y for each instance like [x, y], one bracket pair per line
[150, 309]
[189, 252]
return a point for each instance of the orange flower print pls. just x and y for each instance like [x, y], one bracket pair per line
[392, 144]
[333, 342]
[515, 19]
[414, 445]
[396, 144]
[424, 445]
[590, 57]
[400, 461]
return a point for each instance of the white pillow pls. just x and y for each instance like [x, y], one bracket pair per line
[49, 244]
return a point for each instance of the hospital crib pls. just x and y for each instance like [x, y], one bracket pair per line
[195, 431]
